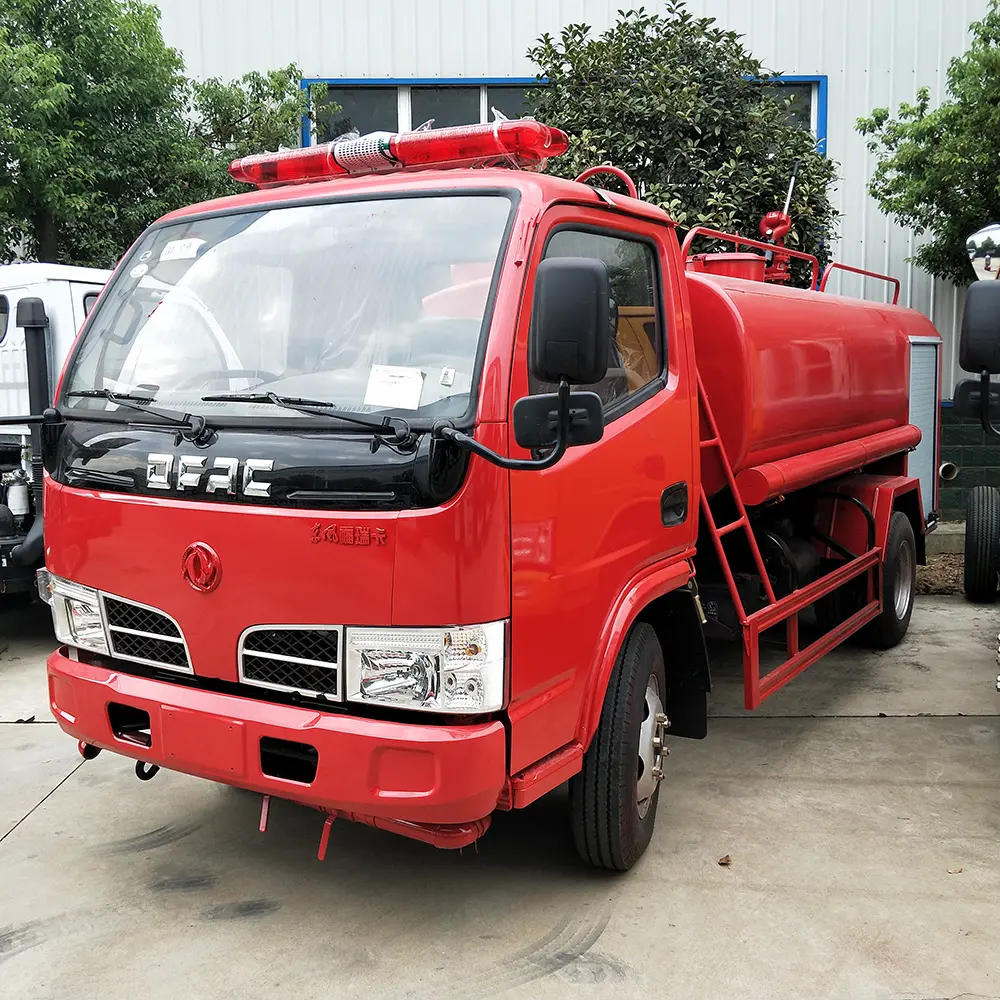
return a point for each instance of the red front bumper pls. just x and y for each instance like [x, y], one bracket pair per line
[408, 771]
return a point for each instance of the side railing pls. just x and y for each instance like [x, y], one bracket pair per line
[837, 266]
[743, 241]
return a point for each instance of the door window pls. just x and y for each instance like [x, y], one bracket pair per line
[4, 317]
[635, 340]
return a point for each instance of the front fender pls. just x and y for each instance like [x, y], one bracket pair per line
[646, 586]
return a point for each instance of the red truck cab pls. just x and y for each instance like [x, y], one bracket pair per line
[384, 493]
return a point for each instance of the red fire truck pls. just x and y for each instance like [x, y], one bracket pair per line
[410, 491]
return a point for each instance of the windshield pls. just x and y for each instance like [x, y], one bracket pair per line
[372, 306]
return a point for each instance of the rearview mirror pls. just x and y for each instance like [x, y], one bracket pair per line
[570, 321]
[979, 344]
[983, 248]
[536, 419]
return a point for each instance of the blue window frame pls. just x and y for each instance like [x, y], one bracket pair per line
[490, 89]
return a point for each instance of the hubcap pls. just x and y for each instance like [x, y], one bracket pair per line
[652, 747]
[904, 580]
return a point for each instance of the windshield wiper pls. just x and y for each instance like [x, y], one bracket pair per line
[396, 429]
[192, 426]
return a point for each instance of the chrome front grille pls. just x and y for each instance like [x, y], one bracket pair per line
[301, 658]
[142, 634]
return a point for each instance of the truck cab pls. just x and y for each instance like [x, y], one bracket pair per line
[67, 294]
[383, 492]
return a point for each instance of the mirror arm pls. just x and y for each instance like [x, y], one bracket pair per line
[984, 405]
[48, 416]
[469, 443]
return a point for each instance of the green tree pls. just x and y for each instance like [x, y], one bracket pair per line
[939, 169]
[259, 111]
[690, 114]
[100, 131]
[988, 246]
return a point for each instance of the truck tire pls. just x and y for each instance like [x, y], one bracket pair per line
[613, 799]
[899, 582]
[982, 544]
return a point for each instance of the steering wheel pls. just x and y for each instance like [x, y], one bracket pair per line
[203, 378]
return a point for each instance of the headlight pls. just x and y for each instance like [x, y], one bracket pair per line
[433, 669]
[76, 615]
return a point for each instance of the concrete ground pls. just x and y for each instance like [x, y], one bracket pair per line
[860, 808]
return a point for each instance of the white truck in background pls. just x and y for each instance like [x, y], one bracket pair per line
[57, 299]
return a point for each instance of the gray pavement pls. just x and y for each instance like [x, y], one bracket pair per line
[860, 807]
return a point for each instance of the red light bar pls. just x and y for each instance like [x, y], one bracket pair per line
[520, 143]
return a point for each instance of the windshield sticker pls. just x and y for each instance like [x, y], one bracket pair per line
[447, 376]
[145, 255]
[181, 249]
[138, 271]
[395, 386]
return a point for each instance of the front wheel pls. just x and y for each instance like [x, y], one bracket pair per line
[899, 581]
[614, 797]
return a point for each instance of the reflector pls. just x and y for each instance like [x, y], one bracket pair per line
[520, 143]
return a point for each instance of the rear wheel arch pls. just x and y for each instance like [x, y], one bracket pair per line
[909, 504]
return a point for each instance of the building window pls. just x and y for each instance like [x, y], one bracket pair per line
[511, 101]
[362, 109]
[447, 106]
[799, 97]
[401, 105]
[398, 106]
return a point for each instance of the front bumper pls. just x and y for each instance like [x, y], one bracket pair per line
[408, 771]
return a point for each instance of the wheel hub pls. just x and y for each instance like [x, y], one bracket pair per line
[904, 581]
[652, 747]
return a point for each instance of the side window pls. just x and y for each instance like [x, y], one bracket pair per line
[88, 302]
[635, 342]
[4, 317]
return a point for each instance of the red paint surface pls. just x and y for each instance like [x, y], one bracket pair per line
[460, 784]
[571, 555]
[789, 371]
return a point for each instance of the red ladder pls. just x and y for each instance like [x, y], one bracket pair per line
[777, 610]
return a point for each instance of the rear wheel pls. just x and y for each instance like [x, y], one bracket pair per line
[899, 581]
[614, 797]
[982, 544]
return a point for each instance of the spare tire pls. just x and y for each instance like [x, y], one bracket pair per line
[982, 544]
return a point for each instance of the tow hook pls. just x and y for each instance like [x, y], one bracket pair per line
[660, 748]
[144, 771]
[87, 750]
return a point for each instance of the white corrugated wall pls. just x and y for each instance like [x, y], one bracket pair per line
[873, 52]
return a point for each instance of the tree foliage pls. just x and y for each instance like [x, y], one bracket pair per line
[939, 169]
[100, 131]
[691, 115]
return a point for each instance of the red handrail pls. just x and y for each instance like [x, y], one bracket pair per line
[837, 266]
[742, 241]
[615, 171]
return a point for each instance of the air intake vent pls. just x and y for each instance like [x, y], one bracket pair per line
[305, 659]
[145, 635]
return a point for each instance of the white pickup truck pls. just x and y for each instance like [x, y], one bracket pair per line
[66, 295]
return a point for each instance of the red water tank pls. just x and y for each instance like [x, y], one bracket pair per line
[789, 371]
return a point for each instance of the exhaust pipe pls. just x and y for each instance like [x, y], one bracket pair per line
[948, 471]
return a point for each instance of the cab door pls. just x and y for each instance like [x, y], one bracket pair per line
[584, 530]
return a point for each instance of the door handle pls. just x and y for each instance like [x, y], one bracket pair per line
[674, 505]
